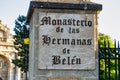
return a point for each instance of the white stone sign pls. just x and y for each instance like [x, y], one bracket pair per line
[66, 41]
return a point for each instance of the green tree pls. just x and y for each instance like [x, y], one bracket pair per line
[21, 30]
[102, 38]
[105, 42]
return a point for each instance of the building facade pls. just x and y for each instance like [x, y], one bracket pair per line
[8, 71]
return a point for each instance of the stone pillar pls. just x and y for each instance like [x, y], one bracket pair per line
[63, 40]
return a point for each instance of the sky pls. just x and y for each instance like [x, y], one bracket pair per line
[108, 18]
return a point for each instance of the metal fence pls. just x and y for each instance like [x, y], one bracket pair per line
[109, 61]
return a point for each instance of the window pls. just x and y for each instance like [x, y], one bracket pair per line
[1, 64]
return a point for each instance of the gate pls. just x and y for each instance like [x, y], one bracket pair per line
[109, 61]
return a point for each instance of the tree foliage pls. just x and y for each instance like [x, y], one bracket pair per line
[102, 38]
[21, 30]
[106, 43]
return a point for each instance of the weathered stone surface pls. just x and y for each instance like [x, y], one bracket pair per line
[62, 79]
[66, 41]
[91, 78]
[35, 53]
